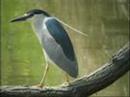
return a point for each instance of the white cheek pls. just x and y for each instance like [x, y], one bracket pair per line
[44, 26]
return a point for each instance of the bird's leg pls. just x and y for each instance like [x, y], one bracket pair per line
[45, 72]
[44, 75]
[67, 80]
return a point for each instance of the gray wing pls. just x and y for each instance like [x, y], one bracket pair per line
[60, 49]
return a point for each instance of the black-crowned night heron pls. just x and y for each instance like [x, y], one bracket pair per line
[57, 46]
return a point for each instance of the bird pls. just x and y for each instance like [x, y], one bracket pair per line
[55, 42]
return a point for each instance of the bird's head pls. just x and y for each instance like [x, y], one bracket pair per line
[31, 14]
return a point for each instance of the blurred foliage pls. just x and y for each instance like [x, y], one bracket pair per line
[105, 22]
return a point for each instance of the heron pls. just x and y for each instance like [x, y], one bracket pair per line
[55, 42]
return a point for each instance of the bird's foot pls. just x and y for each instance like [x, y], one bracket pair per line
[38, 86]
[65, 84]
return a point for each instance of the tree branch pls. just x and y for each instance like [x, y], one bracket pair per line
[82, 87]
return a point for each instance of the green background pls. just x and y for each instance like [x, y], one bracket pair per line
[105, 22]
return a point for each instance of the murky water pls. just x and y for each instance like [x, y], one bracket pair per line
[105, 22]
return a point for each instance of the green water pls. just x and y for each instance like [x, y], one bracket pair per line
[105, 22]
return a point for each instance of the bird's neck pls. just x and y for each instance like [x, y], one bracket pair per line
[38, 25]
[38, 22]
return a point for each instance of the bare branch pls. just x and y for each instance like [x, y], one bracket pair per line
[83, 87]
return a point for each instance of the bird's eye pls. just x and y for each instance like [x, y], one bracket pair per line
[25, 14]
[28, 15]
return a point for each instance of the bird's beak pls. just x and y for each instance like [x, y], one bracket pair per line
[22, 18]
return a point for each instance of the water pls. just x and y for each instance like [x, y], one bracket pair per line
[105, 22]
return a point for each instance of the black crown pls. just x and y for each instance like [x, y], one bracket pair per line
[37, 11]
